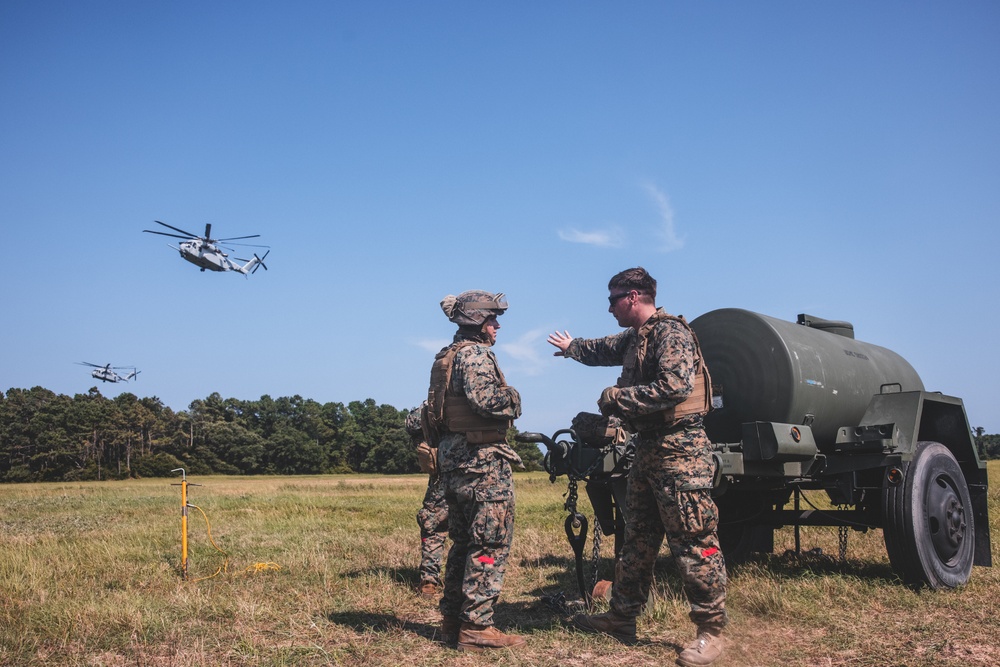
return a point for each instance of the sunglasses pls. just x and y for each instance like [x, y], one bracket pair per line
[614, 298]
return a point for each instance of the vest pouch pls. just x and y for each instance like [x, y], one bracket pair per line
[427, 458]
[486, 437]
[478, 430]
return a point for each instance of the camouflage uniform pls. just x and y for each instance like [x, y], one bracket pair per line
[478, 486]
[669, 484]
[432, 517]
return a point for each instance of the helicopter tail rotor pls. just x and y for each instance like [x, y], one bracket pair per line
[260, 262]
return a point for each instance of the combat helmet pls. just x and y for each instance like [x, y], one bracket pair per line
[473, 307]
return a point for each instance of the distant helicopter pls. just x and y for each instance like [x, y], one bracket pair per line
[107, 373]
[204, 252]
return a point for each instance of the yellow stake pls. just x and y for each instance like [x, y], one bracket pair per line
[184, 522]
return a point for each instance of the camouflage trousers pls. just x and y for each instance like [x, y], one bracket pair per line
[433, 521]
[481, 527]
[669, 494]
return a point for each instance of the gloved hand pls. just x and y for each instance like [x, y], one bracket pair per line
[608, 402]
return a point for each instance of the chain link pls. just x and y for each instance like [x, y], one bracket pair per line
[571, 496]
[596, 555]
[842, 538]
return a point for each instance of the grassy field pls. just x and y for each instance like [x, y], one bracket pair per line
[89, 575]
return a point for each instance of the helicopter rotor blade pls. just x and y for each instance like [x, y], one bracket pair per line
[176, 236]
[237, 238]
[87, 363]
[248, 245]
[208, 232]
[189, 234]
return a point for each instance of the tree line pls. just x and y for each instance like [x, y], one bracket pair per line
[989, 445]
[46, 436]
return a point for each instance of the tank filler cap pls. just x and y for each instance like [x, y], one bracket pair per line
[838, 327]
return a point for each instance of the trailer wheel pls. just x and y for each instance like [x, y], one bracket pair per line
[739, 542]
[927, 512]
[739, 534]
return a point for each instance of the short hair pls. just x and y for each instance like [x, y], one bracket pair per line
[637, 279]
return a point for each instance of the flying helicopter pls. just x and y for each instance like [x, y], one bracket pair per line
[204, 251]
[107, 372]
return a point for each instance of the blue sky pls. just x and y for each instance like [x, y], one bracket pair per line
[834, 158]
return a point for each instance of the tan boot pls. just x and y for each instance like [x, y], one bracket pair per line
[450, 626]
[610, 623]
[472, 637]
[704, 650]
[427, 589]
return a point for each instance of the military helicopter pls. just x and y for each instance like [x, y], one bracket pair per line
[107, 372]
[204, 251]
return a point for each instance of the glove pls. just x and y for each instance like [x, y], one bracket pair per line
[608, 402]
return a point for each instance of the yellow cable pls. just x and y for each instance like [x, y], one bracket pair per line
[252, 569]
[225, 564]
[261, 567]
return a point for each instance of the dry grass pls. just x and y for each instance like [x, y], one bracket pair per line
[89, 576]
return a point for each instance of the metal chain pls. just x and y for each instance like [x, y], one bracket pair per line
[842, 538]
[596, 556]
[571, 496]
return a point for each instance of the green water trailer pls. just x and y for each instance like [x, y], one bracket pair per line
[804, 406]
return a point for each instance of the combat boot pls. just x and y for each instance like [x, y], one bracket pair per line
[472, 637]
[450, 626]
[609, 623]
[704, 650]
[427, 589]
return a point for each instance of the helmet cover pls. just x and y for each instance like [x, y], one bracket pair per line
[473, 307]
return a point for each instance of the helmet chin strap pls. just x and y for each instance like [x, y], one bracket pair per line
[473, 332]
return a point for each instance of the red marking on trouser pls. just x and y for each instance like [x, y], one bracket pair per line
[711, 551]
[486, 560]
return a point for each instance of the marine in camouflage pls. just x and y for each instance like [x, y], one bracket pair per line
[432, 517]
[658, 363]
[479, 490]
[670, 481]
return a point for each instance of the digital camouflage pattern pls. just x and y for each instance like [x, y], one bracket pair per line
[477, 376]
[432, 517]
[658, 364]
[669, 484]
[412, 424]
[670, 494]
[481, 527]
[479, 490]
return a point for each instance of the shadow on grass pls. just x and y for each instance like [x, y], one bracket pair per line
[523, 618]
[407, 576]
[792, 565]
[363, 621]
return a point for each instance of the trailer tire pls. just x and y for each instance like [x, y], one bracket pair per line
[927, 519]
[740, 542]
[740, 536]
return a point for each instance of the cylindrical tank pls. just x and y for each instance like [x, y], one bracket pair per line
[766, 369]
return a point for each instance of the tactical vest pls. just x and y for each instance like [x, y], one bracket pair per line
[699, 401]
[446, 410]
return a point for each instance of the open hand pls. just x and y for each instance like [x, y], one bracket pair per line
[560, 340]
